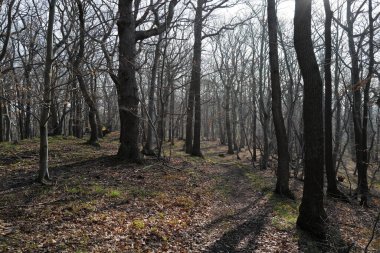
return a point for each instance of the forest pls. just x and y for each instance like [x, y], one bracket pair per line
[190, 126]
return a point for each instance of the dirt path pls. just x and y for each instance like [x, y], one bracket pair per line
[100, 204]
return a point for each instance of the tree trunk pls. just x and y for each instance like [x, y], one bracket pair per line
[127, 88]
[312, 215]
[234, 122]
[171, 118]
[282, 185]
[360, 128]
[44, 148]
[228, 121]
[79, 75]
[1, 122]
[196, 78]
[222, 137]
[148, 147]
[332, 188]
[362, 170]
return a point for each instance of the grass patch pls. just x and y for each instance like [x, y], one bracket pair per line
[224, 190]
[258, 182]
[114, 194]
[285, 213]
[184, 202]
[139, 192]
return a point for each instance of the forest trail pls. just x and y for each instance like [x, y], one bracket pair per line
[186, 204]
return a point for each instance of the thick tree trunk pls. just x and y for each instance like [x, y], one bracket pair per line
[127, 88]
[1, 122]
[196, 78]
[53, 119]
[282, 185]
[312, 215]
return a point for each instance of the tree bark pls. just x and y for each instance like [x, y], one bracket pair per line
[228, 120]
[127, 89]
[282, 184]
[332, 188]
[312, 215]
[196, 78]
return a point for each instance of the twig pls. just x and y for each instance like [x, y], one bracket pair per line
[373, 232]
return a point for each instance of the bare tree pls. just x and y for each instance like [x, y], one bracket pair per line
[282, 185]
[311, 212]
[126, 85]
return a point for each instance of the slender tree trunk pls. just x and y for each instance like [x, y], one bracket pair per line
[222, 136]
[7, 123]
[148, 147]
[282, 185]
[265, 156]
[332, 188]
[189, 120]
[254, 121]
[338, 106]
[360, 127]
[362, 170]
[44, 165]
[234, 122]
[79, 75]
[241, 118]
[312, 215]
[228, 121]
[171, 120]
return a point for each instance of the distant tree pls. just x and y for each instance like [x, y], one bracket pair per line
[312, 215]
[3, 52]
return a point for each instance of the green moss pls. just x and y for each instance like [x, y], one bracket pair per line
[98, 189]
[75, 208]
[139, 192]
[114, 194]
[184, 202]
[223, 189]
[73, 190]
[258, 182]
[285, 213]
[138, 224]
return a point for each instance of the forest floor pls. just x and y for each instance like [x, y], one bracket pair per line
[187, 204]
